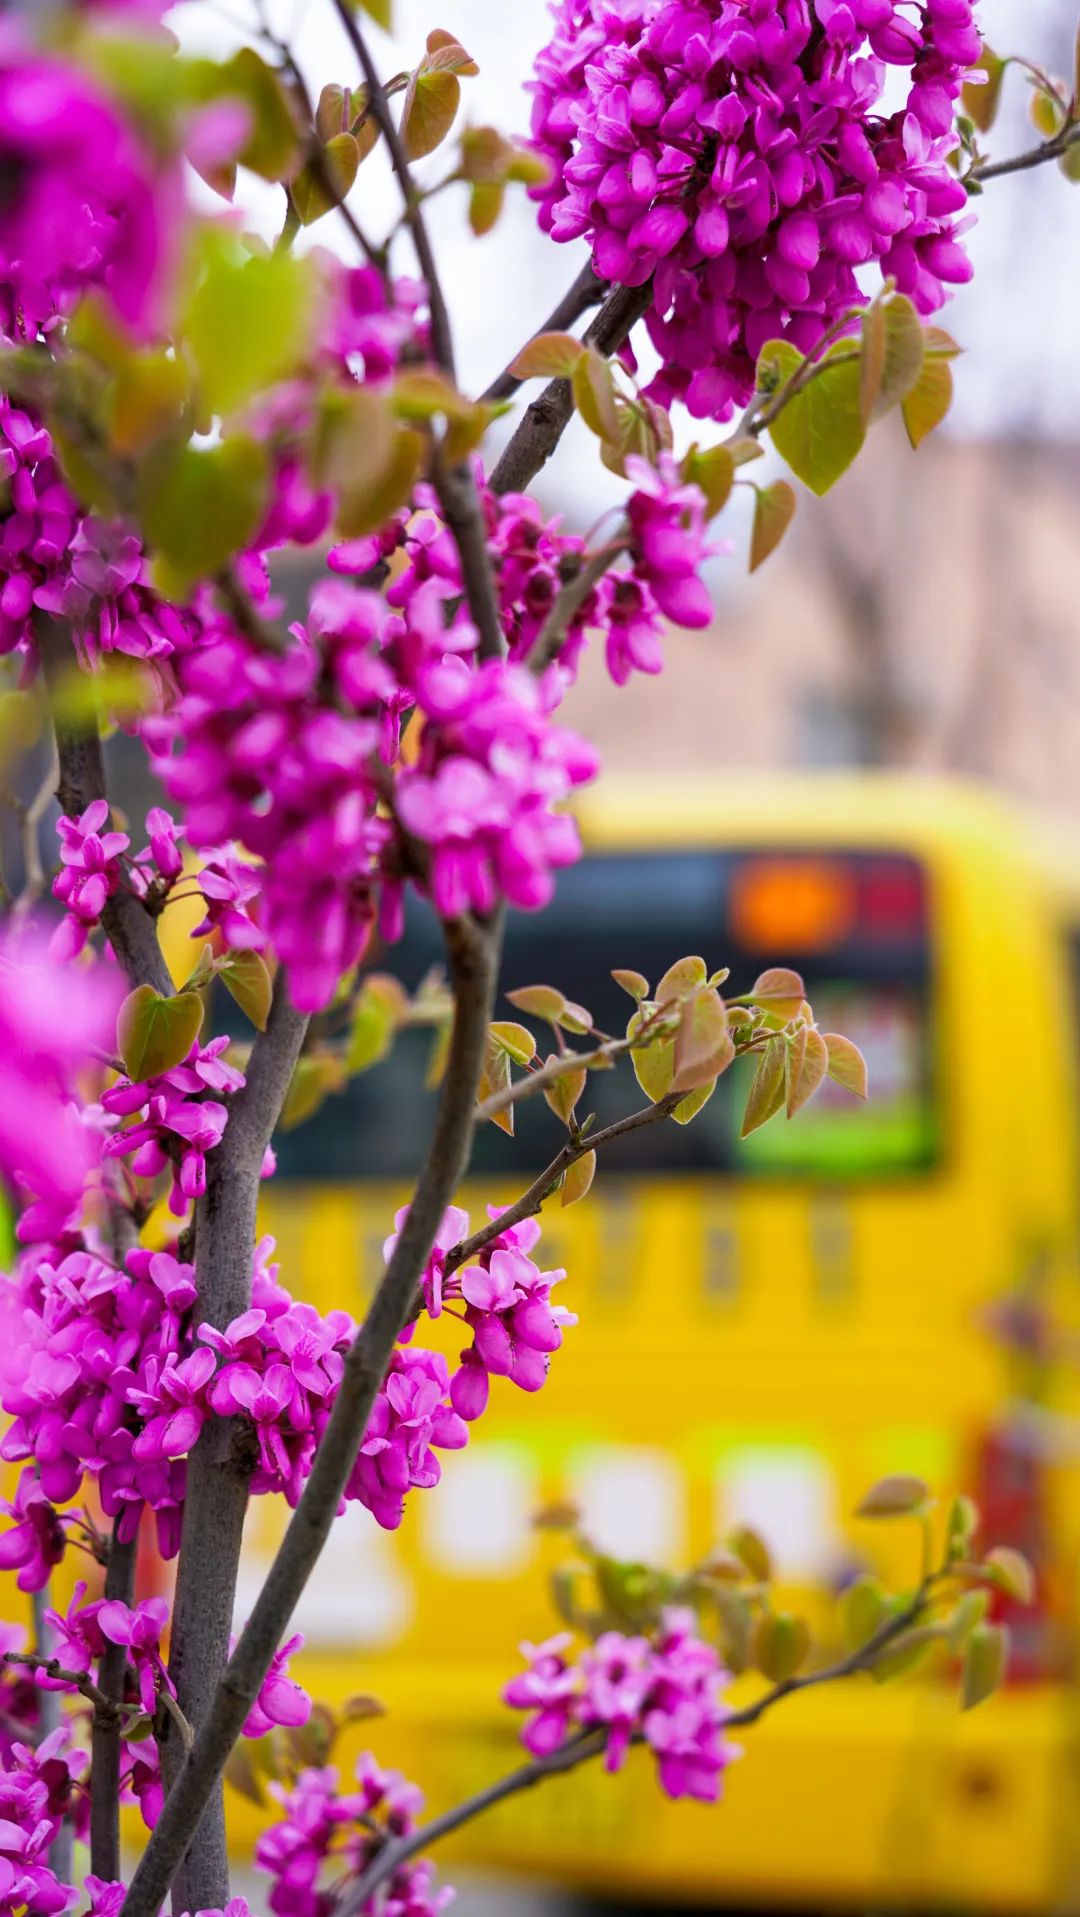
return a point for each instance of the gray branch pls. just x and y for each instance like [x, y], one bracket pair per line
[474, 953]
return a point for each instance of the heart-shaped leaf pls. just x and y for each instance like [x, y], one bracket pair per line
[153, 1033]
[246, 978]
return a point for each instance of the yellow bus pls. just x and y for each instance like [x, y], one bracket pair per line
[765, 1328]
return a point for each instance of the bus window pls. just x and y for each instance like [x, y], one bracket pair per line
[859, 933]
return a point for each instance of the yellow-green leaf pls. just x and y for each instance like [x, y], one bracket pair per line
[896, 1497]
[430, 109]
[713, 470]
[548, 356]
[863, 1609]
[774, 510]
[986, 1656]
[153, 1034]
[578, 1179]
[820, 430]
[539, 1001]
[751, 1549]
[1010, 1571]
[846, 1063]
[247, 323]
[594, 394]
[981, 101]
[632, 982]
[326, 180]
[247, 980]
[515, 1040]
[565, 1090]
[780, 1644]
[767, 1091]
[871, 359]
[928, 401]
[202, 506]
[779, 990]
[314, 1077]
[703, 1046]
[684, 976]
[904, 352]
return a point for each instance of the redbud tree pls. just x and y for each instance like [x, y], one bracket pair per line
[773, 195]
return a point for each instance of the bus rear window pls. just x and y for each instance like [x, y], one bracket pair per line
[855, 924]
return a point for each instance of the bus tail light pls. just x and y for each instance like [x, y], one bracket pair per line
[1010, 1490]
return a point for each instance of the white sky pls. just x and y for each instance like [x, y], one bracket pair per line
[1022, 370]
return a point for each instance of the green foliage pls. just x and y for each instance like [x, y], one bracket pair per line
[247, 321]
[774, 510]
[202, 505]
[820, 430]
[548, 356]
[153, 1034]
[433, 94]
[246, 978]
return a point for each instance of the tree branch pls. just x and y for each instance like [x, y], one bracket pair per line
[532, 1200]
[586, 291]
[474, 954]
[455, 485]
[219, 1468]
[587, 1745]
[1053, 149]
[129, 927]
[543, 423]
[105, 1734]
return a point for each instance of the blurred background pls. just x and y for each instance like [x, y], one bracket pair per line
[868, 767]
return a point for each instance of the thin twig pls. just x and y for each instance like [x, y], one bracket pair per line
[50, 1718]
[105, 1752]
[568, 602]
[1053, 149]
[606, 1054]
[543, 423]
[454, 484]
[532, 1200]
[587, 291]
[33, 870]
[52, 1667]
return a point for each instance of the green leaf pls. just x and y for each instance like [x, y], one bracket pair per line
[146, 401]
[430, 109]
[565, 1090]
[654, 1060]
[575, 1018]
[632, 982]
[326, 180]
[1047, 112]
[202, 506]
[494, 1080]
[961, 1525]
[981, 102]
[247, 323]
[713, 470]
[548, 356]
[380, 1008]
[381, 11]
[703, 1046]
[1010, 1572]
[780, 991]
[969, 1612]
[153, 1034]
[896, 1497]
[820, 430]
[781, 1643]
[904, 354]
[539, 1001]
[905, 1653]
[693, 1102]
[314, 1077]
[871, 359]
[594, 394]
[929, 399]
[751, 1549]
[578, 1178]
[986, 1657]
[272, 144]
[774, 510]
[515, 1040]
[686, 975]
[246, 978]
[846, 1063]
[485, 206]
[805, 1066]
[864, 1608]
[767, 1091]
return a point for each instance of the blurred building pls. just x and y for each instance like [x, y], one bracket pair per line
[926, 614]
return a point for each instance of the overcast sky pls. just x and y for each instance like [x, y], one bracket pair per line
[1022, 371]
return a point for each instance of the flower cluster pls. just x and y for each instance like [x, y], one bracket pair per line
[176, 1124]
[663, 1692]
[86, 206]
[88, 1347]
[738, 153]
[507, 1306]
[82, 1633]
[40, 1788]
[323, 1831]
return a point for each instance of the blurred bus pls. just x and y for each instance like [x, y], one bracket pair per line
[765, 1328]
